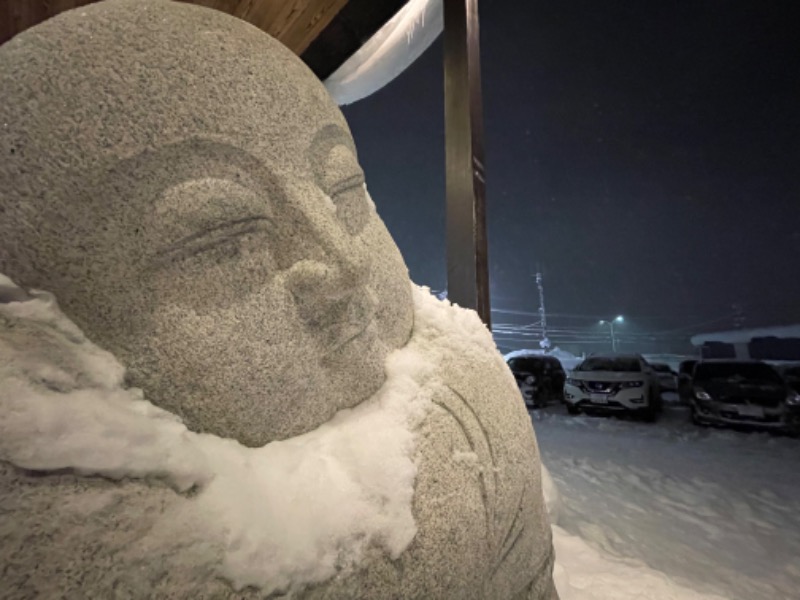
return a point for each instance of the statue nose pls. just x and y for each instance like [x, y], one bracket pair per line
[332, 295]
[332, 276]
[332, 284]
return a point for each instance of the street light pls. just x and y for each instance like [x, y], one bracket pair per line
[610, 323]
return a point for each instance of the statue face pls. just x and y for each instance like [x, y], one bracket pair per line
[199, 210]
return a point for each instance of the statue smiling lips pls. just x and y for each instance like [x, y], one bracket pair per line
[191, 195]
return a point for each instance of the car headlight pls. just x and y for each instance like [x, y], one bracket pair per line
[701, 394]
[793, 399]
[631, 384]
[572, 381]
[530, 380]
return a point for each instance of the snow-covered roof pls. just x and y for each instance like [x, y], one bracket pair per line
[567, 359]
[742, 336]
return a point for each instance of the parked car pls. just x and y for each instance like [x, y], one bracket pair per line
[685, 370]
[743, 393]
[667, 378]
[614, 384]
[540, 378]
[791, 375]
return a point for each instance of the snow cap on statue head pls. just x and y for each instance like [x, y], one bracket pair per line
[191, 194]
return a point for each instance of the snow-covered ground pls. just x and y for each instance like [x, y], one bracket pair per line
[715, 512]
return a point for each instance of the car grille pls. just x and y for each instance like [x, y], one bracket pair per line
[765, 402]
[735, 416]
[601, 387]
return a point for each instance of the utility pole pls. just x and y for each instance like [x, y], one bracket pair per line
[467, 252]
[738, 315]
[610, 323]
[545, 342]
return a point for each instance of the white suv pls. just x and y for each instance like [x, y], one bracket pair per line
[614, 383]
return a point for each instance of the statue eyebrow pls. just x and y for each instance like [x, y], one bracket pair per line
[210, 237]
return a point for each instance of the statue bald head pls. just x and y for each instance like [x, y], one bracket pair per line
[190, 193]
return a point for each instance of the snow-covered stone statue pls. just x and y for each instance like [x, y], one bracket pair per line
[244, 395]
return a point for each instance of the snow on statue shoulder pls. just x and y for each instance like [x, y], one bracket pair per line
[192, 197]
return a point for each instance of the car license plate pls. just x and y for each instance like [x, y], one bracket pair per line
[598, 398]
[751, 411]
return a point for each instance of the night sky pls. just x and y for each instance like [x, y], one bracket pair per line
[644, 154]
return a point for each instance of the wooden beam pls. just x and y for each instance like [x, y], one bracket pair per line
[296, 23]
[467, 248]
[19, 15]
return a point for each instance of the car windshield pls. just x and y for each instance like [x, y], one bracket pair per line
[531, 365]
[623, 364]
[535, 364]
[733, 371]
[792, 373]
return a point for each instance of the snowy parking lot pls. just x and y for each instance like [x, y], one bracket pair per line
[680, 511]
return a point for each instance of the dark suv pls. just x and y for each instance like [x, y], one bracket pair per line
[743, 393]
[540, 378]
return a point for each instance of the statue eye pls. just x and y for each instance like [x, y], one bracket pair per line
[350, 199]
[225, 240]
[343, 181]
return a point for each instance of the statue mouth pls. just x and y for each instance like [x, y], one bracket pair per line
[349, 334]
[357, 322]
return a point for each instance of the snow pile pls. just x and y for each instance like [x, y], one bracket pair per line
[716, 511]
[289, 514]
[63, 405]
[389, 52]
[583, 573]
[552, 499]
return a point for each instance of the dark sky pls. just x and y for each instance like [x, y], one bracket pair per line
[645, 154]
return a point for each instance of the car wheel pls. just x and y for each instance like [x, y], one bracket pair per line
[573, 410]
[695, 419]
[650, 414]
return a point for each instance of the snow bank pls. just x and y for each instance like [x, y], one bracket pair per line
[584, 573]
[552, 499]
[292, 513]
[717, 511]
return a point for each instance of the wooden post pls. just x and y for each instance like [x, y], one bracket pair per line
[467, 254]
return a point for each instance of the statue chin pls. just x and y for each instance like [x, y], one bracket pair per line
[194, 201]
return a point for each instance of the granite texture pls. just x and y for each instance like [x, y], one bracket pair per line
[186, 188]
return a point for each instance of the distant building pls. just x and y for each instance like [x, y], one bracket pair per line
[766, 343]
